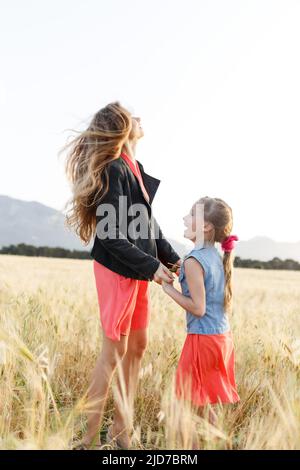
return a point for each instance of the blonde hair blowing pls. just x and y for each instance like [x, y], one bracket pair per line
[219, 214]
[86, 162]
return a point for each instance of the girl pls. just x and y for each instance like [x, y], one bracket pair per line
[107, 179]
[205, 373]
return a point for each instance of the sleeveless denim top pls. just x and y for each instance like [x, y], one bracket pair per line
[215, 319]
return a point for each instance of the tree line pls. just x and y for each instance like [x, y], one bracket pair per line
[50, 252]
[275, 263]
[57, 252]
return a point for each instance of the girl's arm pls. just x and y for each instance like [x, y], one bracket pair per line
[195, 279]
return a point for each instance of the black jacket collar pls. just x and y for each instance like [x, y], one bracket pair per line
[151, 183]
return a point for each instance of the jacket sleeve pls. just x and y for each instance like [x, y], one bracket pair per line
[114, 240]
[166, 254]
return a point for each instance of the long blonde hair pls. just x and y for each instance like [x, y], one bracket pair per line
[88, 156]
[219, 214]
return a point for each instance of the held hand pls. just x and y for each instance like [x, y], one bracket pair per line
[178, 263]
[167, 286]
[163, 274]
[175, 268]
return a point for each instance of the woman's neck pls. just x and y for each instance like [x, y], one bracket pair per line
[129, 148]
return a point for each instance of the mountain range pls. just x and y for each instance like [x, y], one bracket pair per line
[36, 224]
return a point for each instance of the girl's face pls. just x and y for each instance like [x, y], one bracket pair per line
[195, 226]
[189, 221]
[136, 131]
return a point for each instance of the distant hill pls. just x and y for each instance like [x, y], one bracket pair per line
[265, 249]
[35, 224]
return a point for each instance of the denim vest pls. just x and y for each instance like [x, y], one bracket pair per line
[215, 319]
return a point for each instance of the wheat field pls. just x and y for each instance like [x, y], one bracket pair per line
[50, 337]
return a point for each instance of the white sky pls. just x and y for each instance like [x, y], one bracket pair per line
[216, 84]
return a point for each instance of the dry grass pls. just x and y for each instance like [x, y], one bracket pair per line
[50, 338]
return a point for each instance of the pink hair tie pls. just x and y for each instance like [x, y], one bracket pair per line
[229, 243]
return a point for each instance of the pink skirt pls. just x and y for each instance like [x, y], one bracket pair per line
[124, 303]
[205, 372]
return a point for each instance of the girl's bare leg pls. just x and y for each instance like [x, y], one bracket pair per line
[111, 352]
[208, 412]
[204, 413]
[131, 363]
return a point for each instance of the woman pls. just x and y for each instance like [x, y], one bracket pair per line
[109, 188]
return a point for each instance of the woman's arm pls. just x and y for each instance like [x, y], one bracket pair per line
[113, 239]
[195, 279]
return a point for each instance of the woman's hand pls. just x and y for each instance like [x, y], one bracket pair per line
[175, 268]
[163, 275]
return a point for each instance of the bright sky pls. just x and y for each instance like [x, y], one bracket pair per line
[216, 84]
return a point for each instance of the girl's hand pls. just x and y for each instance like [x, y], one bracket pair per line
[167, 286]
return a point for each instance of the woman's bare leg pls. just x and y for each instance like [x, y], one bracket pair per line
[131, 363]
[111, 352]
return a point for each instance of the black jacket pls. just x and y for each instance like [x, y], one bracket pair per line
[122, 251]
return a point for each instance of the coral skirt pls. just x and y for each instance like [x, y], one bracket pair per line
[124, 303]
[205, 372]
